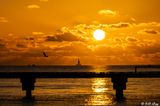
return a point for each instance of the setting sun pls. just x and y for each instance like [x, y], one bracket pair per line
[99, 34]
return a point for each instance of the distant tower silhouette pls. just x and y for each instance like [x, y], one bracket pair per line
[78, 63]
[44, 54]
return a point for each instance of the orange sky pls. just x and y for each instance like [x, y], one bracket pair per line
[63, 29]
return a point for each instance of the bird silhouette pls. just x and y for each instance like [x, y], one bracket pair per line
[44, 54]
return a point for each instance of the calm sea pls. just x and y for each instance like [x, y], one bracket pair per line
[72, 92]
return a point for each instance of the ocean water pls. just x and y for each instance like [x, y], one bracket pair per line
[80, 91]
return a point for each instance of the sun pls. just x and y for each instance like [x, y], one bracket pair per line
[99, 34]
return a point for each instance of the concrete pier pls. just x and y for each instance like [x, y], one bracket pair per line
[119, 79]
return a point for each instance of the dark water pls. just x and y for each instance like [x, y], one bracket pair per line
[71, 92]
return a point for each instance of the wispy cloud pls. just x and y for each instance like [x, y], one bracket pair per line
[120, 25]
[106, 12]
[37, 33]
[59, 37]
[33, 6]
[3, 19]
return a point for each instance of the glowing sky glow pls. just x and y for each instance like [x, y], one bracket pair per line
[64, 30]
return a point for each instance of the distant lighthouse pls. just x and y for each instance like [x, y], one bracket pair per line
[78, 63]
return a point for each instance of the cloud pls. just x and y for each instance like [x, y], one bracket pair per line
[106, 12]
[30, 39]
[59, 37]
[33, 6]
[120, 25]
[21, 45]
[110, 16]
[149, 24]
[2, 45]
[74, 49]
[37, 33]
[3, 20]
[148, 31]
[146, 49]
[131, 39]
[133, 19]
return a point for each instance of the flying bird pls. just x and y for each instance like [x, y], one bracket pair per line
[44, 54]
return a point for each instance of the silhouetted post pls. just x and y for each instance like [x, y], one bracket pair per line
[28, 85]
[119, 84]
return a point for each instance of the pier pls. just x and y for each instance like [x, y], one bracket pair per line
[119, 79]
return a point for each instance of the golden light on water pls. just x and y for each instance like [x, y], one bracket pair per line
[99, 34]
[100, 96]
[99, 86]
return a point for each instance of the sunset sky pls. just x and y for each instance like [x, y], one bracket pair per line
[64, 30]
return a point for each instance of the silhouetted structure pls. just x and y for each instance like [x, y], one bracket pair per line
[119, 79]
[119, 84]
[78, 63]
[135, 69]
[28, 86]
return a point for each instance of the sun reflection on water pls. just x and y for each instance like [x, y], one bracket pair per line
[100, 96]
[99, 69]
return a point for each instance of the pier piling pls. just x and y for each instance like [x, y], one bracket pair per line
[119, 84]
[28, 86]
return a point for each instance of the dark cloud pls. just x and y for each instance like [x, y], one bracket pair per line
[2, 45]
[150, 49]
[64, 37]
[151, 31]
[118, 40]
[131, 39]
[21, 46]
[148, 31]
[143, 48]
[31, 38]
[120, 25]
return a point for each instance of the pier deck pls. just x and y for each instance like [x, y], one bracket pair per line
[150, 74]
